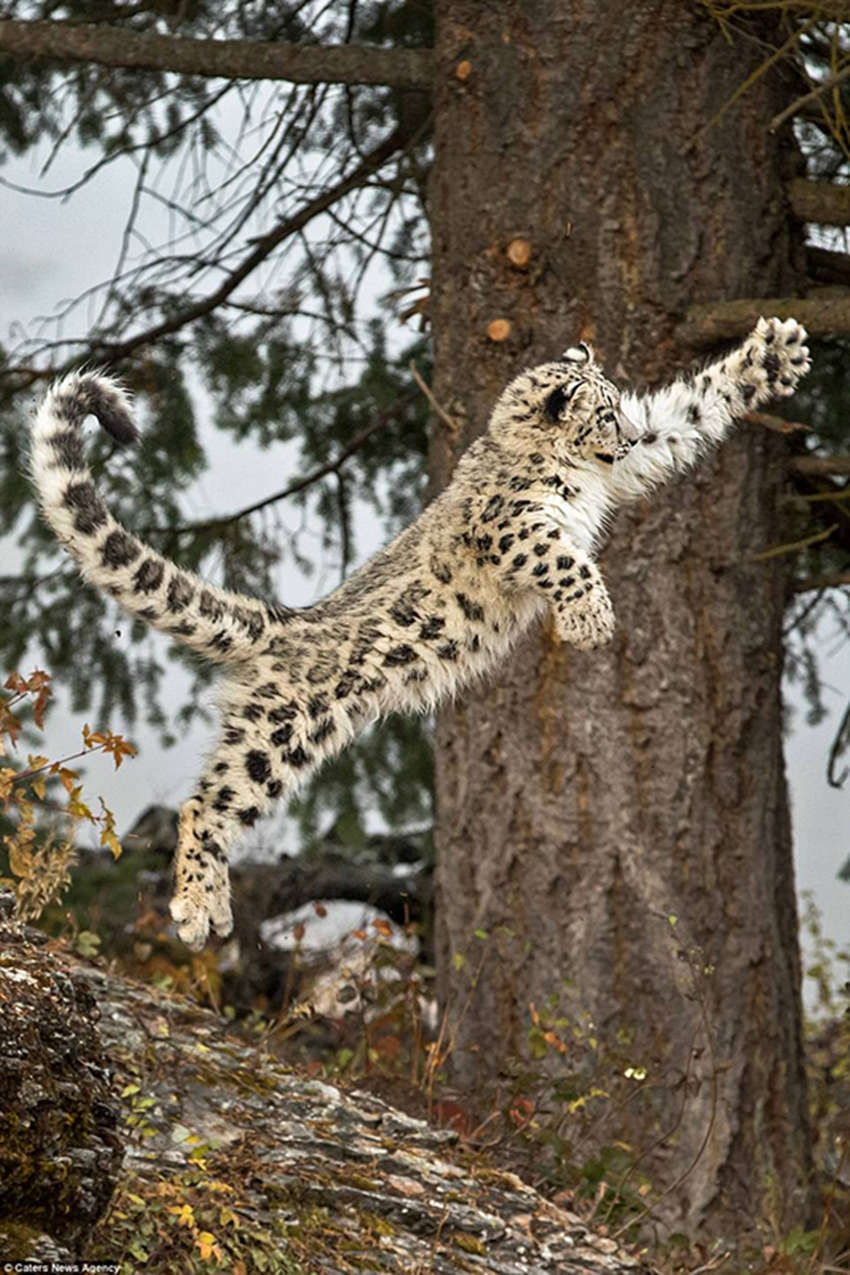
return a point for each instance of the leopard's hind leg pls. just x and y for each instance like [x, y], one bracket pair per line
[201, 899]
[267, 749]
[229, 800]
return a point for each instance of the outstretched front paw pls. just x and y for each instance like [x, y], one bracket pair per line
[775, 357]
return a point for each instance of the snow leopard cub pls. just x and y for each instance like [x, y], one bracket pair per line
[512, 537]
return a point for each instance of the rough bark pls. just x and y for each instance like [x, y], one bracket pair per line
[586, 799]
[229, 59]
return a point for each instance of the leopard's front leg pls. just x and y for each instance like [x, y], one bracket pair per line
[584, 616]
[667, 432]
[544, 558]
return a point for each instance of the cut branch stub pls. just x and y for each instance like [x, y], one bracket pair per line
[519, 253]
[498, 329]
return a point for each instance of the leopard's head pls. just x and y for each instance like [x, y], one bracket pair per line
[567, 405]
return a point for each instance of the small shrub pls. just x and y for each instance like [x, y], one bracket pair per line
[41, 802]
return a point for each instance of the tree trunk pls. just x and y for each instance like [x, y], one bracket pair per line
[617, 821]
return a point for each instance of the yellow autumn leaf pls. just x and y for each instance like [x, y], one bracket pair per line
[108, 836]
[76, 805]
[68, 778]
[208, 1246]
[119, 748]
[184, 1213]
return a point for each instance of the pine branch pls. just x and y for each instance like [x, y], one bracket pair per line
[727, 320]
[820, 201]
[828, 266]
[105, 45]
[820, 465]
[828, 580]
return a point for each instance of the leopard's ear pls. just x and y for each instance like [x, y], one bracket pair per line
[581, 353]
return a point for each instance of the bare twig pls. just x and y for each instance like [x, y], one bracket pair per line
[344, 531]
[777, 551]
[839, 746]
[453, 425]
[262, 247]
[836, 497]
[838, 77]
[751, 79]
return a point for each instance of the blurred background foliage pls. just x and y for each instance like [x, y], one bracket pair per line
[297, 352]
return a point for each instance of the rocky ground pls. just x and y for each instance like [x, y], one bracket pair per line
[231, 1160]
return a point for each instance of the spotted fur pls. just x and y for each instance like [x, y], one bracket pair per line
[512, 537]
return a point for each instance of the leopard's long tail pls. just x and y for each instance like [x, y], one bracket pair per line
[222, 626]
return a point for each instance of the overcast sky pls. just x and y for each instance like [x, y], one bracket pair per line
[51, 251]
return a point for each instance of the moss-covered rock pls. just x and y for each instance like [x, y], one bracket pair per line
[60, 1153]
